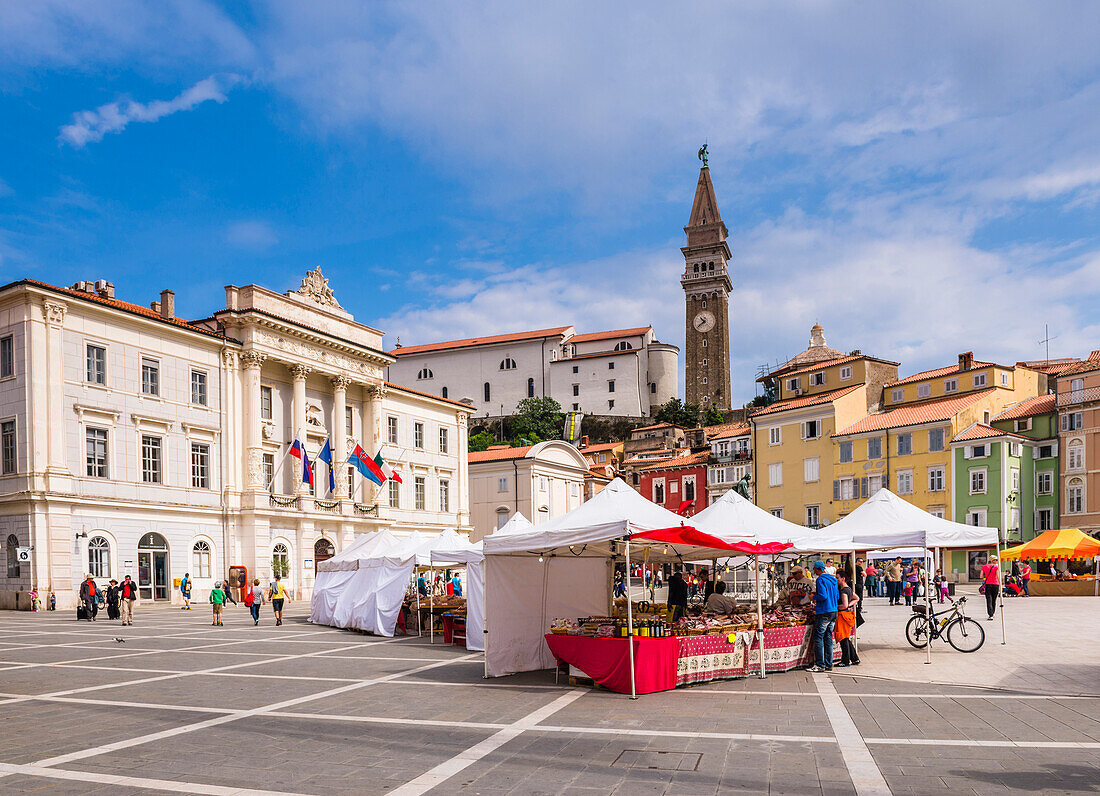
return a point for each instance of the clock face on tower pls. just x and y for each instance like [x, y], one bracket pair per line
[704, 321]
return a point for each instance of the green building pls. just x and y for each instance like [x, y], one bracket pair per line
[1037, 420]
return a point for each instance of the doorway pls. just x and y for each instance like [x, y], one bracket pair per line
[153, 567]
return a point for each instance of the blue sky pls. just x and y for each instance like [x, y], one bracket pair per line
[922, 180]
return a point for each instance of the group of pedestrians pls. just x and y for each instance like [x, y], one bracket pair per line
[253, 598]
[119, 599]
[836, 614]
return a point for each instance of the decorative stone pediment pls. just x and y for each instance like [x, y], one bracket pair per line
[315, 287]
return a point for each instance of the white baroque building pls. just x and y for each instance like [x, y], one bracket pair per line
[135, 442]
[621, 373]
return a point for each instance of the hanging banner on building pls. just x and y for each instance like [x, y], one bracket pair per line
[573, 427]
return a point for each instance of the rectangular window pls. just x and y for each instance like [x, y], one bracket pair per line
[96, 361]
[846, 373]
[1004, 379]
[976, 517]
[1044, 482]
[659, 492]
[7, 356]
[611, 385]
[935, 439]
[950, 385]
[502, 484]
[544, 484]
[611, 365]
[935, 479]
[1073, 421]
[897, 395]
[150, 377]
[776, 513]
[977, 482]
[775, 474]
[1048, 451]
[200, 465]
[938, 513]
[265, 402]
[418, 435]
[1075, 499]
[443, 441]
[395, 494]
[1023, 424]
[846, 489]
[846, 451]
[874, 448]
[689, 489]
[979, 379]
[874, 484]
[813, 516]
[792, 384]
[924, 390]
[95, 440]
[817, 379]
[1044, 519]
[391, 430]
[444, 495]
[775, 435]
[1014, 479]
[576, 369]
[351, 483]
[610, 404]
[349, 422]
[151, 449]
[7, 447]
[977, 452]
[811, 469]
[905, 444]
[811, 429]
[269, 471]
[198, 387]
[576, 390]
[905, 482]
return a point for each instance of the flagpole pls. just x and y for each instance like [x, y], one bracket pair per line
[279, 464]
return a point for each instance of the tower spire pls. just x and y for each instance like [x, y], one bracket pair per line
[705, 213]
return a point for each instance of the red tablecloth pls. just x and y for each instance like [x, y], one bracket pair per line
[607, 660]
[449, 629]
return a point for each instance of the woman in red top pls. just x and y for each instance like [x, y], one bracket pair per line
[991, 579]
[1025, 576]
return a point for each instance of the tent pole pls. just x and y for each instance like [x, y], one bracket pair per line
[759, 616]
[1096, 580]
[1001, 588]
[431, 605]
[419, 624]
[927, 608]
[630, 626]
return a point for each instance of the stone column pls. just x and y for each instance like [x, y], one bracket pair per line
[462, 488]
[252, 362]
[299, 374]
[340, 433]
[374, 434]
[55, 393]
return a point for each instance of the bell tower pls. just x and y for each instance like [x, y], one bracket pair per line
[707, 286]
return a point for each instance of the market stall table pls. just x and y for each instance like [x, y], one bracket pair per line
[454, 628]
[607, 660]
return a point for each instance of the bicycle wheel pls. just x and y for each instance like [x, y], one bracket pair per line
[916, 631]
[966, 634]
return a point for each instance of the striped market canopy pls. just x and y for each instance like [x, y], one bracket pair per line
[1064, 543]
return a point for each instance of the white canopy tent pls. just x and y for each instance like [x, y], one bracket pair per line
[733, 518]
[334, 574]
[886, 520]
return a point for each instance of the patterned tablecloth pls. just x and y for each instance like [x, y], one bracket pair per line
[705, 658]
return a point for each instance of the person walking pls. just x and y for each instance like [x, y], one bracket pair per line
[278, 596]
[112, 600]
[991, 585]
[857, 587]
[893, 581]
[128, 594]
[228, 591]
[1025, 577]
[185, 591]
[826, 602]
[677, 595]
[870, 574]
[255, 600]
[217, 603]
[846, 621]
[88, 598]
[456, 585]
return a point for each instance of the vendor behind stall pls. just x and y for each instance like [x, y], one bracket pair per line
[718, 602]
[798, 589]
[677, 595]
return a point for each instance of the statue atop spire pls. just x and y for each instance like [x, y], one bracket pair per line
[703, 155]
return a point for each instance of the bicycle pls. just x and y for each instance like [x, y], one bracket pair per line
[953, 625]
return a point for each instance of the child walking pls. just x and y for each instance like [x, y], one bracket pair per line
[217, 602]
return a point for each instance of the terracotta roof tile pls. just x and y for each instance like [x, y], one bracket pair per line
[592, 336]
[514, 337]
[806, 400]
[947, 371]
[689, 460]
[125, 306]
[982, 431]
[593, 474]
[915, 414]
[656, 425]
[726, 430]
[600, 446]
[411, 391]
[1039, 405]
[827, 363]
[1052, 367]
[498, 454]
[1088, 365]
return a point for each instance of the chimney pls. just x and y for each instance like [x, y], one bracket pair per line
[104, 289]
[584, 441]
[966, 361]
[167, 304]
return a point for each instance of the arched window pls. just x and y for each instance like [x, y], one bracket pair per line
[1075, 496]
[425, 373]
[13, 555]
[99, 557]
[623, 345]
[201, 560]
[507, 364]
[695, 268]
[711, 267]
[530, 388]
[444, 392]
[487, 393]
[502, 517]
[280, 560]
[323, 550]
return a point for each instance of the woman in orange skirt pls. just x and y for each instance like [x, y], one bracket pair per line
[846, 621]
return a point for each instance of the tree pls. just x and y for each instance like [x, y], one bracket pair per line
[480, 441]
[678, 413]
[714, 417]
[537, 419]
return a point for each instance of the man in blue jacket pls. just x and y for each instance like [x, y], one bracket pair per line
[826, 598]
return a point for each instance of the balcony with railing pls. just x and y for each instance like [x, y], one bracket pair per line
[731, 457]
[308, 503]
[1077, 397]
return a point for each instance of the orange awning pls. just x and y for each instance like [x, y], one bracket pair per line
[1063, 543]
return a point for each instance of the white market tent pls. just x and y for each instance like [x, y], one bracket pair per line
[563, 568]
[334, 574]
[886, 520]
[733, 518]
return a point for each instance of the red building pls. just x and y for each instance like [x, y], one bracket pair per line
[677, 484]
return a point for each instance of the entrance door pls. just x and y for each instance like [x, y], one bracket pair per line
[145, 575]
[153, 567]
[160, 576]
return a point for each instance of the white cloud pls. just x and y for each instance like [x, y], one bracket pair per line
[256, 235]
[91, 126]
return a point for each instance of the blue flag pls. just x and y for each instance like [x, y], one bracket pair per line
[326, 456]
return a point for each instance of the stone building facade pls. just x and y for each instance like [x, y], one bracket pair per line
[144, 444]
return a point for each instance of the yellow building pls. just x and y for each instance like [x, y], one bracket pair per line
[817, 392]
[907, 446]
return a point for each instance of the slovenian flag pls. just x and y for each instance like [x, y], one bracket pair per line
[326, 456]
[391, 473]
[298, 451]
[366, 466]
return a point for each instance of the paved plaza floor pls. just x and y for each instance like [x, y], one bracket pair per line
[184, 707]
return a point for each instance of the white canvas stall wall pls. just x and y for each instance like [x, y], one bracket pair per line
[475, 605]
[371, 599]
[326, 591]
[523, 595]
